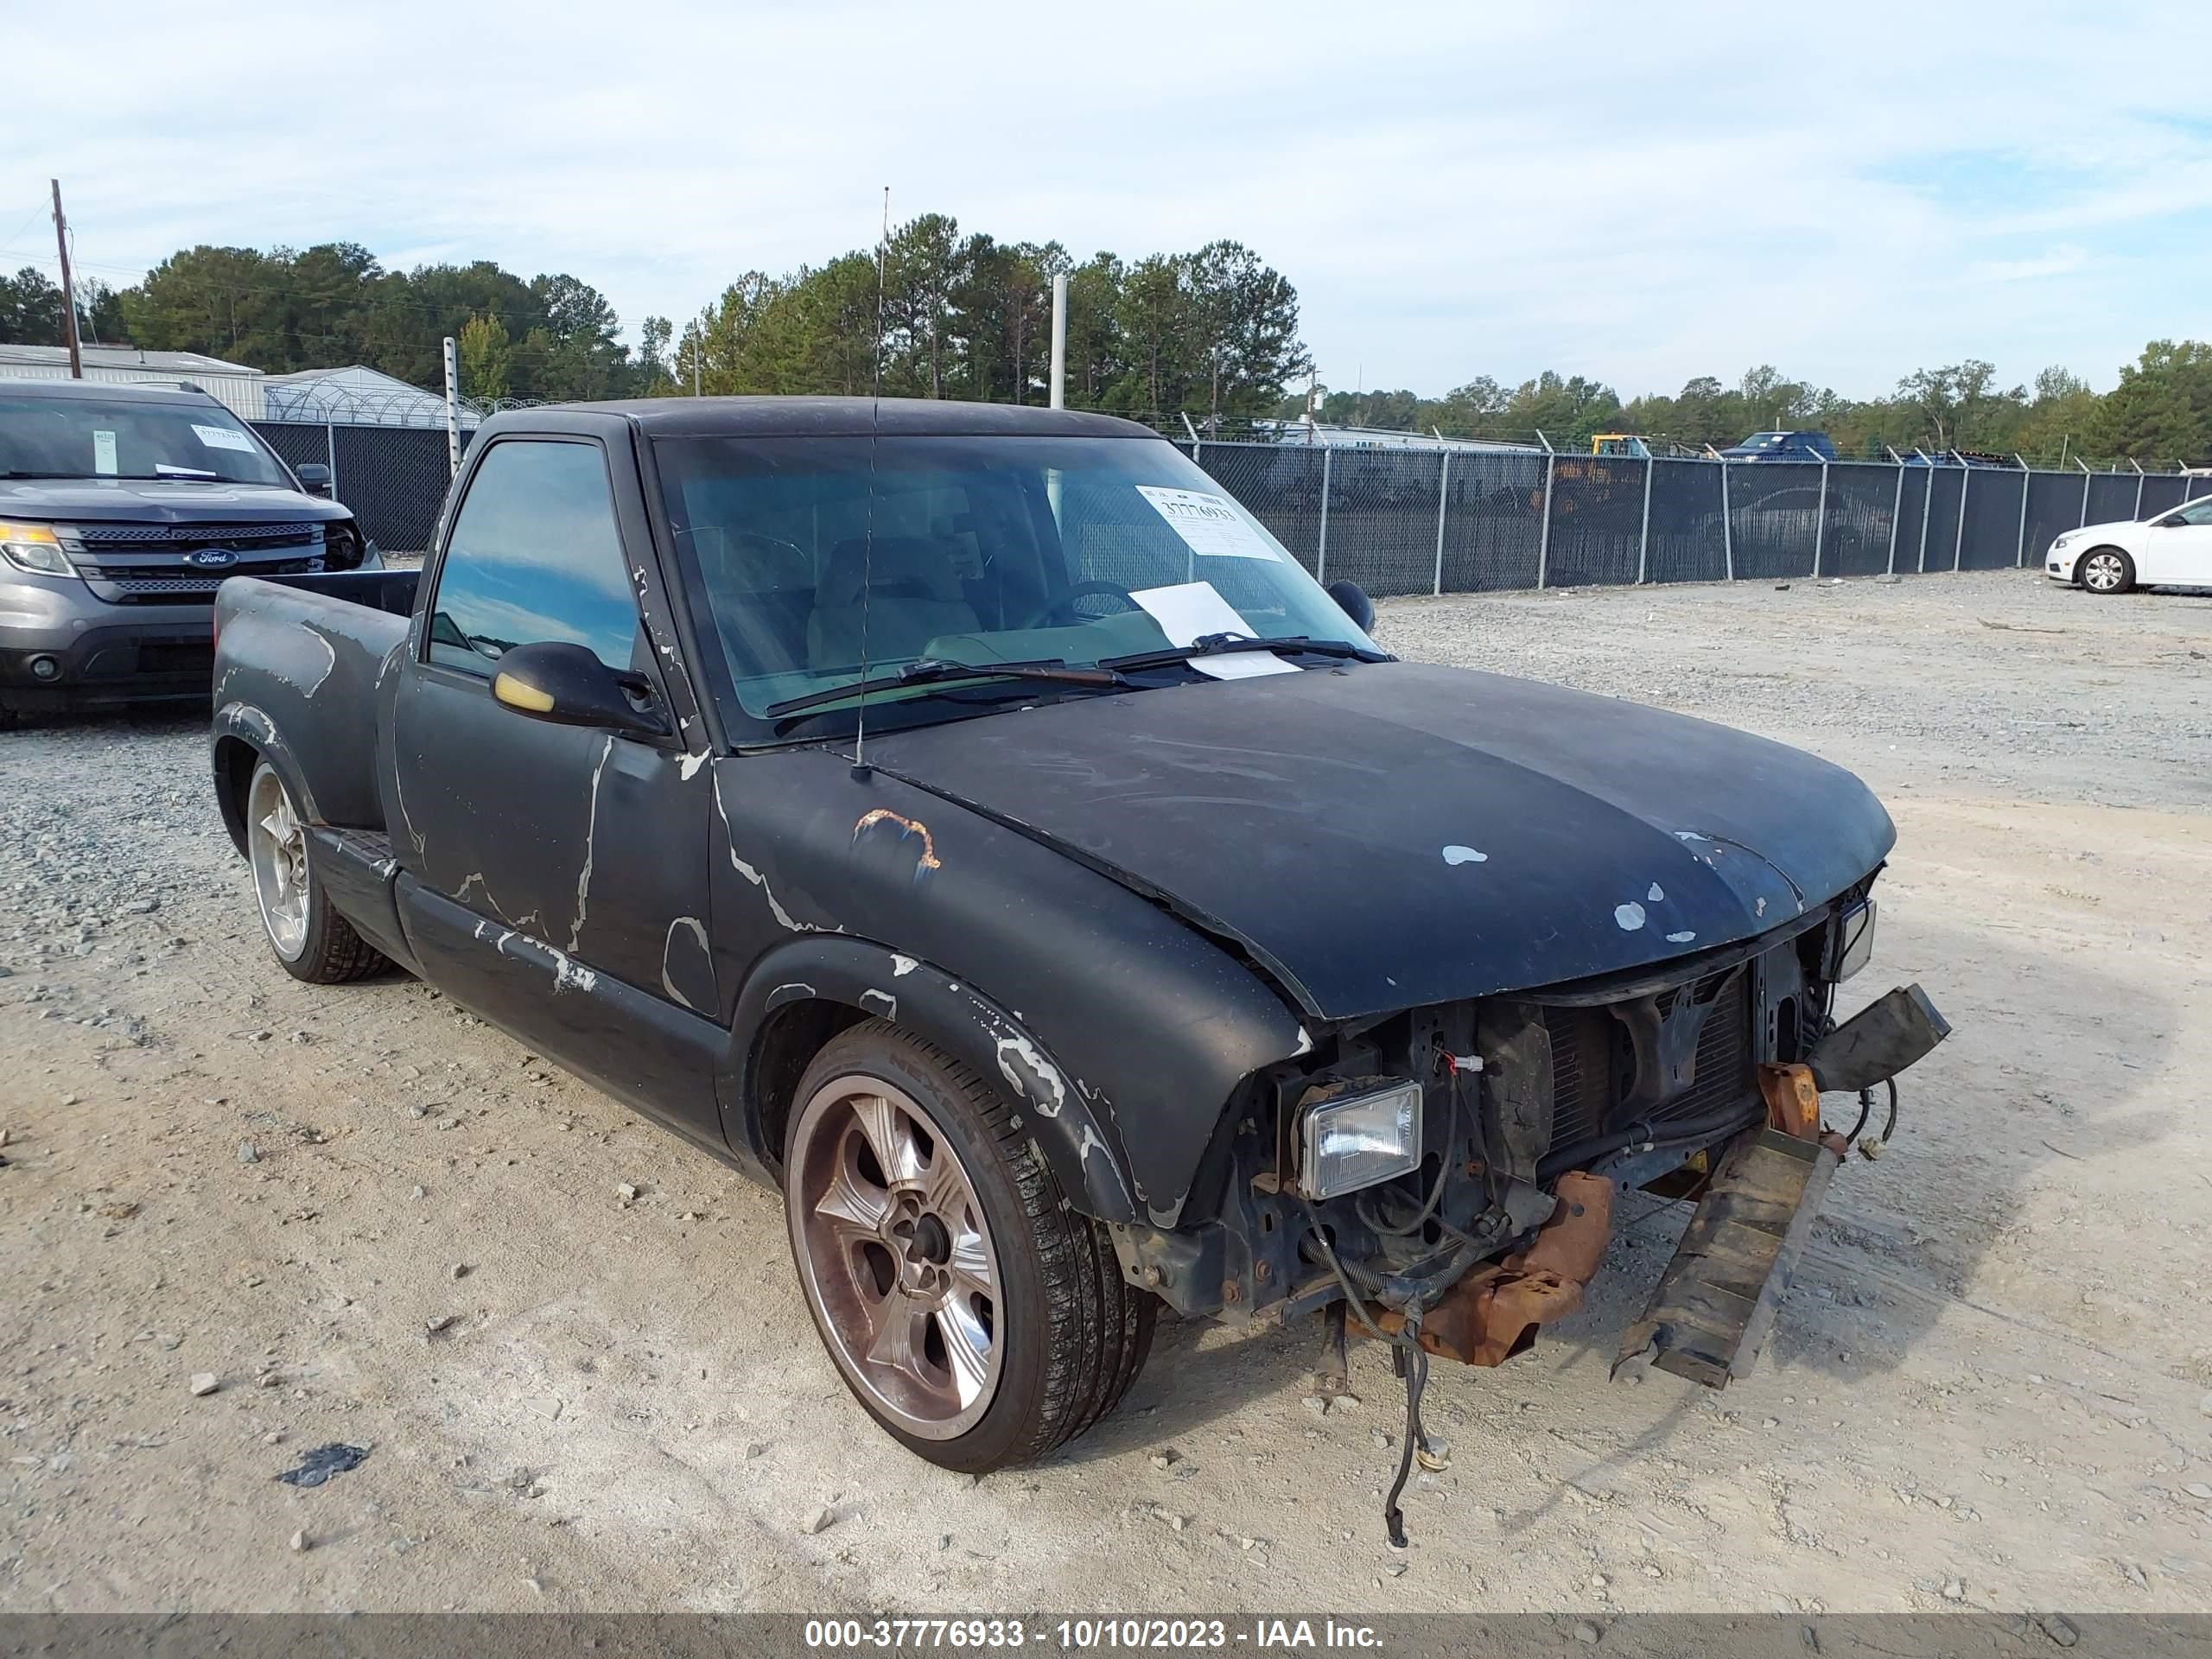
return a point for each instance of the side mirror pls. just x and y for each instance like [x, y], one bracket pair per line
[1351, 599]
[566, 684]
[315, 477]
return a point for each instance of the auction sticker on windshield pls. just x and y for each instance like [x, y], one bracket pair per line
[1207, 524]
[221, 438]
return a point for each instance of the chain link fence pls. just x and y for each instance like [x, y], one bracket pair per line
[1457, 520]
[394, 478]
[1402, 520]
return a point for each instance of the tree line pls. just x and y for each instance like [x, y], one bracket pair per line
[2160, 411]
[335, 304]
[1212, 332]
[935, 312]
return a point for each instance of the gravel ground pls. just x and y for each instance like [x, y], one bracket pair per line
[245, 1218]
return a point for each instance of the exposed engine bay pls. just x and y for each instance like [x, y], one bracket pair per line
[1443, 1178]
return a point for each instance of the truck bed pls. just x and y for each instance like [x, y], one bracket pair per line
[300, 663]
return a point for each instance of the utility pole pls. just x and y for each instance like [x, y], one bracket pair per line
[1060, 377]
[69, 290]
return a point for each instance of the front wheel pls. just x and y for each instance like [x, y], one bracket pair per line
[2106, 570]
[311, 938]
[972, 1315]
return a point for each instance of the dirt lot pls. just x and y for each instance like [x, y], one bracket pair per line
[1993, 1385]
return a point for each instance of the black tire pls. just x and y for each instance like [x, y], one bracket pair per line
[330, 951]
[2114, 559]
[1075, 1334]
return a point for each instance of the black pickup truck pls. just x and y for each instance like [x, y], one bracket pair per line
[972, 821]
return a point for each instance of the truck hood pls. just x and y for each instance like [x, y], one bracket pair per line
[149, 501]
[1391, 835]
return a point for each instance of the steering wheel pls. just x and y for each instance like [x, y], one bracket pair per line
[1081, 590]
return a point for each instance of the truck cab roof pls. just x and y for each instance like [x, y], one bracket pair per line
[824, 418]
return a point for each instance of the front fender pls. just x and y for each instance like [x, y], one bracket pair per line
[937, 1005]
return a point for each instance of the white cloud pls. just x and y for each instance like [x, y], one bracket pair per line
[1638, 193]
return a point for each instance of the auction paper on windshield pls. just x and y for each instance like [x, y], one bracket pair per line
[1207, 524]
[1189, 611]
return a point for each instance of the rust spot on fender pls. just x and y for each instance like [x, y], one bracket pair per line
[913, 827]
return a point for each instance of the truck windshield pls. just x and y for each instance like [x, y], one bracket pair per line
[812, 554]
[124, 437]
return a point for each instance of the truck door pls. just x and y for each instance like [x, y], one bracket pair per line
[556, 875]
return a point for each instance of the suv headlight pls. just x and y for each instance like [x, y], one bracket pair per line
[1370, 1134]
[34, 548]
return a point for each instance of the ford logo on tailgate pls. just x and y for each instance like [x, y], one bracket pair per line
[211, 558]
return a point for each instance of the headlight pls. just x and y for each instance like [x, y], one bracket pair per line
[2060, 542]
[35, 548]
[1356, 1139]
[1854, 940]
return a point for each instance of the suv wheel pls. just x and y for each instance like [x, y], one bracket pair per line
[313, 940]
[971, 1313]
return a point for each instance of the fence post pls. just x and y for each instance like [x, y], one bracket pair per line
[1821, 524]
[1959, 540]
[1897, 512]
[2027, 480]
[1544, 536]
[453, 410]
[2084, 466]
[1443, 498]
[1643, 532]
[1321, 559]
[1728, 527]
[1927, 507]
[330, 454]
[2138, 466]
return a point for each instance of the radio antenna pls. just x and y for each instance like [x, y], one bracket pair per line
[867, 547]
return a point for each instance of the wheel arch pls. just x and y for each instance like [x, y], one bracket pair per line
[806, 990]
[244, 737]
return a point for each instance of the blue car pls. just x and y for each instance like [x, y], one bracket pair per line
[1782, 445]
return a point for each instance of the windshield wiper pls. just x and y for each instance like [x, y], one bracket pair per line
[930, 671]
[194, 477]
[1216, 645]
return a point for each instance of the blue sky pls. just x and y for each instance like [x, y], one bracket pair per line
[1636, 193]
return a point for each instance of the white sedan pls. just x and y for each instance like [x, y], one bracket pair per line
[2173, 550]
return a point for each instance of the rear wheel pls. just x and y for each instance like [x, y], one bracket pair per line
[2106, 570]
[971, 1313]
[311, 938]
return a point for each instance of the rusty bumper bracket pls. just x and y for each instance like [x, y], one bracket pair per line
[1715, 1304]
[1492, 1314]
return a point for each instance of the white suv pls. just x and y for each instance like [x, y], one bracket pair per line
[2174, 549]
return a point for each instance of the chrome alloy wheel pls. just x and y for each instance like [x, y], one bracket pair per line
[895, 1255]
[2103, 572]
[277, 844]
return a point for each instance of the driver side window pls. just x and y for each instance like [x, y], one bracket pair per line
[2196, 513]
[533, 556]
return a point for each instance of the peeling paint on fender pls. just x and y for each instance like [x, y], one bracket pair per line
[1034, 1078]
[667, 979]
[880, 1003]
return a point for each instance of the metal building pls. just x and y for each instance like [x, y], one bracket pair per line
[232, 384]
